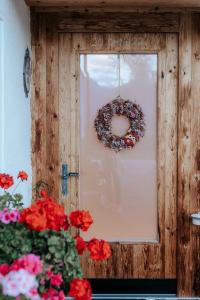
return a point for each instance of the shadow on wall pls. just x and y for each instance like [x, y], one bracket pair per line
[15, 132]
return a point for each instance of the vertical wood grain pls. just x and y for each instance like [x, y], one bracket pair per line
[69, 116]
[167, 153]
[189, 145]
[184, 157]
[65, 49]
[38, 98]
[196, 148]
[170, 123]
[74, 123]
[52, 113]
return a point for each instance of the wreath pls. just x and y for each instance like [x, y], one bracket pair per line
[103, 125]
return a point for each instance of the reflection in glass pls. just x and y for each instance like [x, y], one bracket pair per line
[119, 189]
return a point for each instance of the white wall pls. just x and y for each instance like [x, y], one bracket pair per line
[15, 115]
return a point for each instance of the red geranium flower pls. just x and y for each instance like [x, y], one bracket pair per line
[80, 244]
[52, 294]
[4, 269]
[49, 274]
[99, 249]
[22, 175]
[80, 289]
[81, 219]
[45, 214]
[6, 181]
[56, 280]
[34, 218]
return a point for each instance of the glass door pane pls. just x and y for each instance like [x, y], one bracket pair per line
[119, 188]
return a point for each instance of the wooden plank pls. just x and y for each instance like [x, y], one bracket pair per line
[167, 152]
[74, 123]
[69, 117]
[195, 205]
[114, 3]
[188, 138]
[52, 113]
[38, 98]
[184, 159]
[115, 22]
[65, 49]
[125, 9]
[170, 149]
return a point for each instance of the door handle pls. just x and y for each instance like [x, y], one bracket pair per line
[65, 177]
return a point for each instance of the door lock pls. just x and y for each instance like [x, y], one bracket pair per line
[65, 177]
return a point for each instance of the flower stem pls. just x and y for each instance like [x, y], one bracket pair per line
[16, 187]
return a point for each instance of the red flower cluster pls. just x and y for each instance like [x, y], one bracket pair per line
[80, 289]
[80, 244]
[52, 294]
[81, 219]
[6, 181]
[55, 279]
[99, 249]
[22, 175]
[45, 214]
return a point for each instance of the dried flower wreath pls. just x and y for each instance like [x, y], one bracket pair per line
[103, 127]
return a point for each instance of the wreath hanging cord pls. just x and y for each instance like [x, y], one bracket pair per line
[126, 108]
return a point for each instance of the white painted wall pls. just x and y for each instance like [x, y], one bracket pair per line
[15, 114]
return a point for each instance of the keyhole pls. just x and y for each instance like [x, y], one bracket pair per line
[120, 125]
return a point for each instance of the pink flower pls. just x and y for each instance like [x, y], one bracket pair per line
[5, 218]
[56, 280]
[33, 294]
[42, 281]
[19, 282]
[49, 274]
[30, 263]
[14, 215]
[52, 294]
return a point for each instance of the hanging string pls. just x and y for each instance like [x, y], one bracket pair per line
[119, 74]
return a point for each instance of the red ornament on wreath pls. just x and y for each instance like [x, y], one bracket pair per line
[103, 127]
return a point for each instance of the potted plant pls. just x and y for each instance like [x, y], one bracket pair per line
[40, 236]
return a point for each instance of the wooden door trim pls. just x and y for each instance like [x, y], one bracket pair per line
[114, 22]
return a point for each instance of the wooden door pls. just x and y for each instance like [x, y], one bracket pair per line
[132, 259]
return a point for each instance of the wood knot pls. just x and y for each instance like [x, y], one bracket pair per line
[197, 56]
[198, 159]
[51, 168]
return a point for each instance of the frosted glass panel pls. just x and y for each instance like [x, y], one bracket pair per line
[119, 189]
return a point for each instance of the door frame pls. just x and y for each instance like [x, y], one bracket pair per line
[45, 28]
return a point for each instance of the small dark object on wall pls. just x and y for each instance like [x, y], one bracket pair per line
[27, 72]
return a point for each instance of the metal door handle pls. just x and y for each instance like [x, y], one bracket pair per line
[65, 176]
